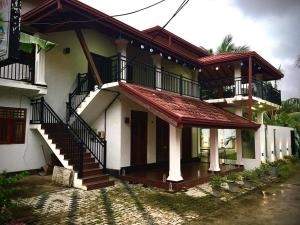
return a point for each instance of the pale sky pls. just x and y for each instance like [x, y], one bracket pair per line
[269, 27]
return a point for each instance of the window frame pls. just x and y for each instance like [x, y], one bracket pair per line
[14, 117]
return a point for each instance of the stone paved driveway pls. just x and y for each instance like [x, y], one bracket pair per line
[121, 204]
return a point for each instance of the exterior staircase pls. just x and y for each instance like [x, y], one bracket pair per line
[73, 152]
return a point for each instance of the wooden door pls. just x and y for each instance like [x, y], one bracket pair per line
[162, 140]
[139, 126]
[186, 144]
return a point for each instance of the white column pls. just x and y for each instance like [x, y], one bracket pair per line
[122, 50]
[214, 151]
[238, 79]
[260, 145]
[157, 63]
[39, 75]
[175, 152]
[238, 138]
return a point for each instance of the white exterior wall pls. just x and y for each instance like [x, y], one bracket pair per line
[62, 69]
[27, 156]
[282, 141]
[118, 133]
[127, 107]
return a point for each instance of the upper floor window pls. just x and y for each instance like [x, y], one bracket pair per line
[12, 125]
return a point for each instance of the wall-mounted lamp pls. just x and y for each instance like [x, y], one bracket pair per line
[127, 120]
[66, 51]
[217, 68]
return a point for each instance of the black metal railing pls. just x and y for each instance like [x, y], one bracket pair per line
[147, 75]
[21, 69]
[95, 145]
[85, 84]
[230, 87]
[43, 114]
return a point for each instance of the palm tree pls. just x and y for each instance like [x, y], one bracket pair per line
[227, 45]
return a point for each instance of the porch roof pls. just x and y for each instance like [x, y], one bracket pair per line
[183, 111]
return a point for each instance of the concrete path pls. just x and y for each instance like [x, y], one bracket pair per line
[276, 205]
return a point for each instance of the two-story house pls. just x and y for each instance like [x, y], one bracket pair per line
[147, 106]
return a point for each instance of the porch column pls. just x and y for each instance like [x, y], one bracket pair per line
[122, 50]
[238, 138]
[260, 139]
[157, 63]
[39, 74]
[175, 154]
[238, 79]
[214, 151]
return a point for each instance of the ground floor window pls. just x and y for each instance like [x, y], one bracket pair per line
[12, 125]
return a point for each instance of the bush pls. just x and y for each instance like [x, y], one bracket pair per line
[216, 182]
[233, 177]
[266, 169]
[290, 158]
[284, 171]
[6, 193]
[249, 175]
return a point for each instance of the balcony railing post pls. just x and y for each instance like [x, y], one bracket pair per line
[42, 110]
[155, 76]
[180, 85]
[119, 68]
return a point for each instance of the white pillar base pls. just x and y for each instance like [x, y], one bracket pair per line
[214, 151]
[175, 153]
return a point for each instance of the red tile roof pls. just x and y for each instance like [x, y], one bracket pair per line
[233, 56]
[183, 111]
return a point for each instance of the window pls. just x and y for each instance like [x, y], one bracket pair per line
[12, 125]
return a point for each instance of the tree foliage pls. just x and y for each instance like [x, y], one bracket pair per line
[227, 45]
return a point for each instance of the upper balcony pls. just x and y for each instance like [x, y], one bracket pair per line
[23, 73]
[120, 68]
[239, 86]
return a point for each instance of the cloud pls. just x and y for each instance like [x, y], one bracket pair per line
[281, 21]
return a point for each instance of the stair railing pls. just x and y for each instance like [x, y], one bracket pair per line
[94, 144]
[43, 114]
[85, 84]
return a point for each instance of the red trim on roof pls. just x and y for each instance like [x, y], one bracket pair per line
[183, 111]
[195, 49]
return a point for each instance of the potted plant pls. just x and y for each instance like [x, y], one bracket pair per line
[249, 178]
[216, 184]
[231, 180]
[273, 167]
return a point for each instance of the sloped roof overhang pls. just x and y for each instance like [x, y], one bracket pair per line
[184, 111]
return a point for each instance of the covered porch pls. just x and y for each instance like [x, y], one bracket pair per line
[193, 173]
[177, 166]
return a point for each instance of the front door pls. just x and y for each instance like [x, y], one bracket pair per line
[139, 138]
[186, 143]
[162, 140]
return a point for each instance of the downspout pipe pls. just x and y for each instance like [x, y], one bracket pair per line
[109, 105]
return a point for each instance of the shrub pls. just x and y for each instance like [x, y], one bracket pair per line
[6, 193]
[249, 175]
[266, 169]
[284, 171]
[215, 182]
[232, 177]
[290, 158]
